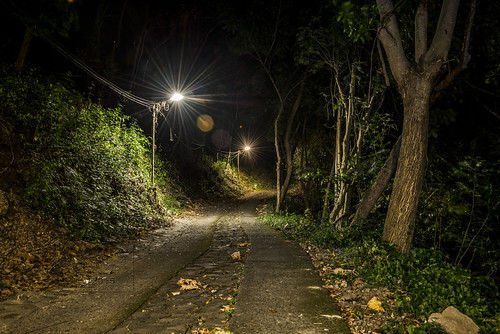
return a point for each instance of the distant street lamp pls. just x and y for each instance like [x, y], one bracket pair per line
[247, 148]
[155, 109]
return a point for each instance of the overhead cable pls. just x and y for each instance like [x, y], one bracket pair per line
[97, 76]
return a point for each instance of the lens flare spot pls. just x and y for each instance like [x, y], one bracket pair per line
[205, 123]
[221, 139]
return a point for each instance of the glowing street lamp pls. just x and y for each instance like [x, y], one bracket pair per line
[246, 148]
[176, 97]
[155, 109]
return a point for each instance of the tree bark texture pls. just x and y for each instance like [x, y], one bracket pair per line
[400, 220]
[370, 197]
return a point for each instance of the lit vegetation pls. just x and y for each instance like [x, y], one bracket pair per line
[86, 167]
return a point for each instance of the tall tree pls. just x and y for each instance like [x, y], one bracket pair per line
[267, 32]
[336, 50]
[416, 81]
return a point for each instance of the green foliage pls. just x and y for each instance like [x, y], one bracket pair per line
[221, 181]
[358, 21]
[88, 167]
[305, 227]
[459, 212]
[399, 328]
[423, 282]
[211, 179]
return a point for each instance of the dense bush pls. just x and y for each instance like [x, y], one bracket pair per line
[424, 283]
[88, 167]
[460, 211]
[220, 180]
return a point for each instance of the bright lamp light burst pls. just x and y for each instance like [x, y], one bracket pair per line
[180, 70]
[176, 97]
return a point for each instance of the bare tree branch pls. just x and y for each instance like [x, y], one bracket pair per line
[382, 61]
[391, 39]
[441, 42]
[275, 35]
[421, 21]
[465, 57]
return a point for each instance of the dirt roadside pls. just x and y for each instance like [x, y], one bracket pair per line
[115, 289]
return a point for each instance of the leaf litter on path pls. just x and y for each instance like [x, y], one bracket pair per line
[187, 284]
[360, 305]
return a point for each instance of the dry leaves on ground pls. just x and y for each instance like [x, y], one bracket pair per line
[360, 305]
[236, 256]
[187, 284]
[208, 331]
[37, 254]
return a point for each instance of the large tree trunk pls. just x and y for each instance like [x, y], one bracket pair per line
[401, 215]
[415, 82]
[23, 50]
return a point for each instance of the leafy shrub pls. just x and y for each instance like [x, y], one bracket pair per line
[459, 213]
[88, 167]
[211, 179]
[423, 281]
[221, 180]
[307, 227]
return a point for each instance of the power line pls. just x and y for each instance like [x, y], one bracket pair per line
[134, 98]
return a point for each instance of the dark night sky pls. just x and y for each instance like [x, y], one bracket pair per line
[160, 47]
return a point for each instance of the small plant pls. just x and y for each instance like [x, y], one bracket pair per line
[424, 283]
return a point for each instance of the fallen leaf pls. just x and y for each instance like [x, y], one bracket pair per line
[201, 331]
[227, 308]
[376, 305]
[188, 284]
[341, 271]
[236, 256]
[245, 244]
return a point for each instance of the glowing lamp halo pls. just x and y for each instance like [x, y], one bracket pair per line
[176, 97]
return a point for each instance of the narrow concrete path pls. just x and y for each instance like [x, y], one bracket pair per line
[117, 290]
[280, 292]
[270, 282]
